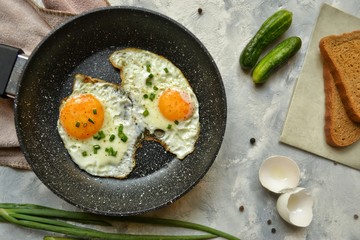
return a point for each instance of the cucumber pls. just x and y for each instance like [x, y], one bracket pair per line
[269, 31]
[276, 57]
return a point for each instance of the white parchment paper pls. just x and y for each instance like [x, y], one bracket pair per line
[304, 125]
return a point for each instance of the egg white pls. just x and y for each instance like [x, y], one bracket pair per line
[137, 68]
[117, 110]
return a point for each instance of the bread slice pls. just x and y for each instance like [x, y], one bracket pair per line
[342, 55]
[340, 130]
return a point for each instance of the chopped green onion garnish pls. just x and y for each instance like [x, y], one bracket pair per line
[146, 96]
[111, 151]
[123, 137]
[112, 137]
[84, 153]
[169, 126]
[94, 111]
[166, 70]
[149, 79]
[90, 120]
[176, 122]
[99, 135]
[155, 88]
[152, 96]
[77, 124]
[146, 113]
[96, 147]
[148, 82]
[148, 67]
[102, 134]
[121, 134]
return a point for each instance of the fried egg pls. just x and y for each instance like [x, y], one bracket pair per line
[97, 128]
[163, 100]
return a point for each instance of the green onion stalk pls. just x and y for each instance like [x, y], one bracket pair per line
[58, 221]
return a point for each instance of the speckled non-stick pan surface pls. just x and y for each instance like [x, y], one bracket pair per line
[84, 45]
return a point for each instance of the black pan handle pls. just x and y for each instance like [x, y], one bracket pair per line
[12, 62]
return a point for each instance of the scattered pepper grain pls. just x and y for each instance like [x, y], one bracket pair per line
[273, 230]
[356, 217]
[269, 222]
[252, 140]
[200, 11]
[241, 208]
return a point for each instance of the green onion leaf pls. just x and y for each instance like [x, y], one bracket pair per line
[166, 70]
[146, 96]
[77, 124]
[94, 111]
[84, 153]
[90, 120]
[169, 126]
[56, 221]
[176, 122]
[155, 88]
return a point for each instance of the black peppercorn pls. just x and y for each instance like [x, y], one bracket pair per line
[241, 208]
[252, 140]
[273, 230]
[200, 11]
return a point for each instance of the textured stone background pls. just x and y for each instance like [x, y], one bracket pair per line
[225, 27]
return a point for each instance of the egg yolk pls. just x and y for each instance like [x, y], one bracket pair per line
[175, 106]
[82, 116]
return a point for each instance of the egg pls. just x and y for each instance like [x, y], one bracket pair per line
[295, 207]
[278, 173]
[164, 101]
[97, 128]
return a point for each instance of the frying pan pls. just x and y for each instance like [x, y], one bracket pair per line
[83, 45]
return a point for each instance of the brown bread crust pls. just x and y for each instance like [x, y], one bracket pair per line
[342, 55]
[340, 130]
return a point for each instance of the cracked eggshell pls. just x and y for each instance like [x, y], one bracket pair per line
[295, 207]
[279, 173]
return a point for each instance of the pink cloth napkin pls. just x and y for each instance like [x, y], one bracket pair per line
[23, 23]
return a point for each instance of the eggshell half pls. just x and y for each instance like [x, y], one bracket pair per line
[295, 207]
[279, 173]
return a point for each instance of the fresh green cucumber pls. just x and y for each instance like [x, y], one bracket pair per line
[269, 31]
[276, 57]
